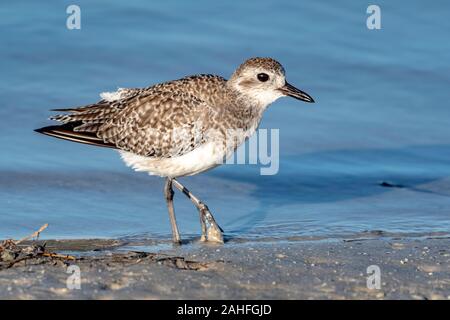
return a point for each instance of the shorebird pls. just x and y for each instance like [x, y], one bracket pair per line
[181, 127]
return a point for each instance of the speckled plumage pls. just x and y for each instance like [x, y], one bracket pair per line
[143, 121]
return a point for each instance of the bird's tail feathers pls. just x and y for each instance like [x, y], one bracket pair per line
[66, 132]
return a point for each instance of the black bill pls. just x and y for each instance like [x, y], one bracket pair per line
[293, 92]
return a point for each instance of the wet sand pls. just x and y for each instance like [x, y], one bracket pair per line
[413, 267]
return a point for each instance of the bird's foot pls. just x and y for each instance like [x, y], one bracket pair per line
[213, 232]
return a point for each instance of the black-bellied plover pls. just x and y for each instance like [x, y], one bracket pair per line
[180, 128]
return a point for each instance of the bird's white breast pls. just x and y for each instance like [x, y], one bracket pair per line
[198, 160]
[205, 157]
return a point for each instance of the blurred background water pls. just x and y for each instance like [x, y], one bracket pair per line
[382, 114]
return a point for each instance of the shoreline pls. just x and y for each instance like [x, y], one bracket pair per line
[410, 268]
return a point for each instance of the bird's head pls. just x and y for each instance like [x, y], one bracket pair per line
[263, 80]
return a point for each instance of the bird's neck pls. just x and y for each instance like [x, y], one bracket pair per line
[247, 114]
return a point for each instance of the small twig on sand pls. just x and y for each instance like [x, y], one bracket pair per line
[34, 235]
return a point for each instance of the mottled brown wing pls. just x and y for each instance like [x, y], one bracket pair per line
[151, 123]
[164, 120]
[158, 124]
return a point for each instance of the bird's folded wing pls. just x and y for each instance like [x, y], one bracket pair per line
[154, 124]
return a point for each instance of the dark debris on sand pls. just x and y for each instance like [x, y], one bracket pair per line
[24, 253]
[19, 253]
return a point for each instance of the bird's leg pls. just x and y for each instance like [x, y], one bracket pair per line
[204, 227]
[168, 193]
[210, 229]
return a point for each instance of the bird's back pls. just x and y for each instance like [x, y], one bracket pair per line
[163, 120]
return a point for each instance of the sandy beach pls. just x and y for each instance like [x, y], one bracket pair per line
[413, 267]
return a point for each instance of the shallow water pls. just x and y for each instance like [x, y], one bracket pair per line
[382, 114]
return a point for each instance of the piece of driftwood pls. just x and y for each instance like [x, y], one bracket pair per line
[34, 234]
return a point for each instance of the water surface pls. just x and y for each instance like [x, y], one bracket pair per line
[382, 114]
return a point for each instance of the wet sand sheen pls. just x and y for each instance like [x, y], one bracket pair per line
[411, 268]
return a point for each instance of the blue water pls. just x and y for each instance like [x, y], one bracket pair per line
[382, 114]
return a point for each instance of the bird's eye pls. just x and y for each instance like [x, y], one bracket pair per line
[263, 77]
